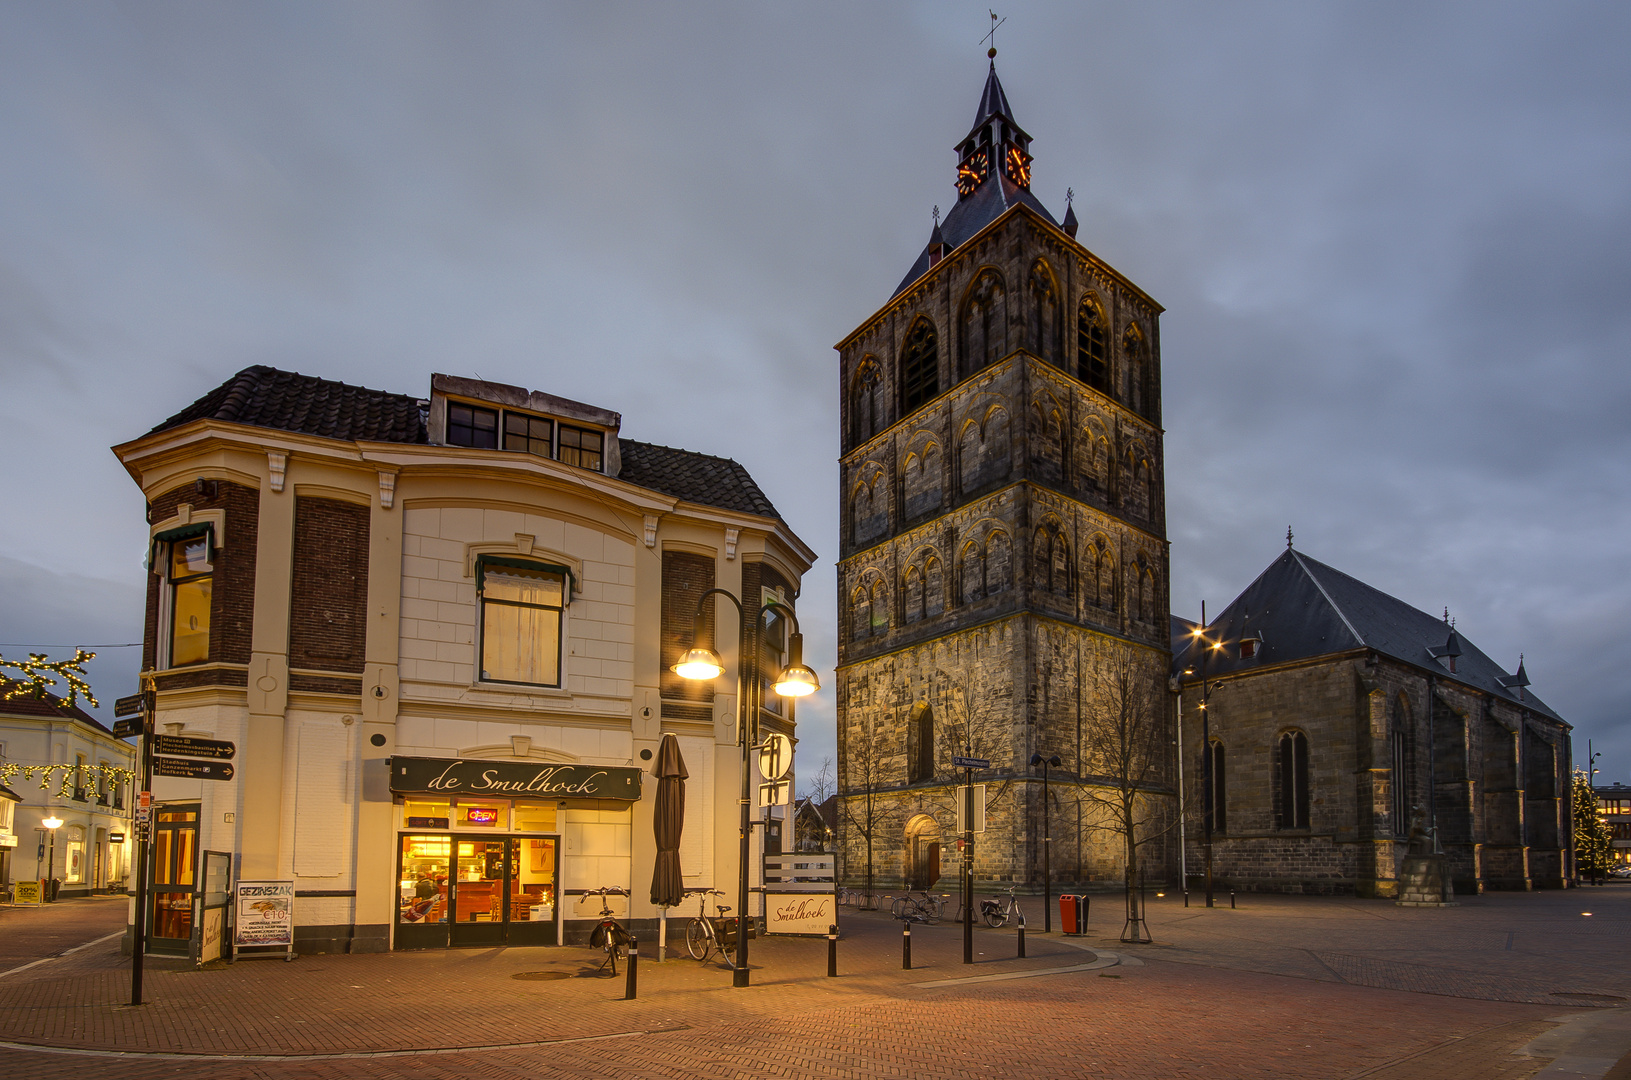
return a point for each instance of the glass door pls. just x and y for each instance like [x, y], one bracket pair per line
[175, 858]
[481, 901]
[532, 890]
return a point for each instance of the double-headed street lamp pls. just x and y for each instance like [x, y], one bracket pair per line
[52, 824]
[1208, 801]
[1047, 842]
[701, 662]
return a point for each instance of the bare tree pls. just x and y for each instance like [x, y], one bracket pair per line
[862, 779]
[818, 789]
[1126, 752]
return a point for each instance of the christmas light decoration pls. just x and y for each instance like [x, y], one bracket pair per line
[36, 676]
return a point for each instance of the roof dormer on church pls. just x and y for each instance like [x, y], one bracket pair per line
[993, 175]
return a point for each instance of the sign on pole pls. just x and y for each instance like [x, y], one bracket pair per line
[128, 728]
[971, 808]
[775, 757]
[188, 746]
[189, 769]
[776, 793]
[129, 706]
[971, 762]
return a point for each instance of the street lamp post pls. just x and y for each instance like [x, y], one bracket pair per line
[701, 662]
[1047, 842]
[52, 824]
[1207, 802]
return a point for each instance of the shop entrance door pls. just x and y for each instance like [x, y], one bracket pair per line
[174, 876]
[475, 890]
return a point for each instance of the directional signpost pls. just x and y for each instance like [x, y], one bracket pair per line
[966, 821]
[187, 746]
[192, 770]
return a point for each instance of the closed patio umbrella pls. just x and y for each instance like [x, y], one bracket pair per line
[668, 822]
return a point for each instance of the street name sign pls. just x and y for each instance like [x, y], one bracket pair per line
[127, 728]
[128, 706]
[971, 762]
[187, 746]
[192, 770]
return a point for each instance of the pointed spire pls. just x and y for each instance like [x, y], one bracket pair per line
[993, 102]
[1517, 681]
[1069, 225]
[937, 241]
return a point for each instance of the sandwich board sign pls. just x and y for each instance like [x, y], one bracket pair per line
[263, 915]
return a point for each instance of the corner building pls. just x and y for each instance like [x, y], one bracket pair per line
[438, 632]
[1004, 536]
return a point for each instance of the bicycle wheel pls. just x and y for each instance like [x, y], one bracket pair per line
[995, 917]
[932, 908]
[698, 941]
[900, 907]
[617, 941]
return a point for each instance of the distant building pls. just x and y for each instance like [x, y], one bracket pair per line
[1004, 533]
[1342, 720]
[62, 762]
[1614, 808]
[814, 825]
[438, 632]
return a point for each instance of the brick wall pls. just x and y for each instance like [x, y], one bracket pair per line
[685, 578]
[328, 616]
[232, 595]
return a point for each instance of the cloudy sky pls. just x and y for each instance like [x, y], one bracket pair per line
[1393, 241]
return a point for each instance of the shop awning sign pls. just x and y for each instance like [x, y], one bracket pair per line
[513, 779]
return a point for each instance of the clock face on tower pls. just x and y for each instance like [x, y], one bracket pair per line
[1019, 166]
[972, 172]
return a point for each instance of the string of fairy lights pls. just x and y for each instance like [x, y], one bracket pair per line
[35, 678]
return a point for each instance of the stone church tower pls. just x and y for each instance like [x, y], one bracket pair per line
[1004, 537]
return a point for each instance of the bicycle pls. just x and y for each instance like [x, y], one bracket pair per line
[927, 908]
[608, 934]
[702, 933]
[996, 914]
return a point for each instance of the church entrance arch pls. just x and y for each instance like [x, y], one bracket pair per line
[922, 852]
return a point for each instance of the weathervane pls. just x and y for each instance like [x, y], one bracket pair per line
[1288, 537]
[995, 22]
[1070, 193]
[937, 214]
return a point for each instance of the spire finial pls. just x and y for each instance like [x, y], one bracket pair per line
[1070, 196]
[1446, 616]
[937, 214]
[995, 22]
[1288, 537]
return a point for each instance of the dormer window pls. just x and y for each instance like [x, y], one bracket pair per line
[582, 447]
[528, 434]
[468, 425]
[1249, 647]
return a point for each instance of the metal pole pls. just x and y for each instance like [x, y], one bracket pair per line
[50, 864]
[1206, 760]
[968, 866]
[740, 976]
[144, 832]
[1047, 863]
[1183, 862]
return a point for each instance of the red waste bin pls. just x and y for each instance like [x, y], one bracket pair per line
[1069, 920]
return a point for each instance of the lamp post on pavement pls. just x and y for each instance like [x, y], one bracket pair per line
[1047, 842]
[52, 824]
[1208, 802]
[701, 662]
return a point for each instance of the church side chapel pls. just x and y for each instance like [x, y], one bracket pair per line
[1349, 731]
[1003, 551]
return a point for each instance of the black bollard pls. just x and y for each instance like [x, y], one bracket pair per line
[1022, 937]
[1186, 898]
[1231, 899]
[832, 952]
[906, 947]
[630, 987]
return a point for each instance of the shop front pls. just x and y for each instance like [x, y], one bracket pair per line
[480, 843]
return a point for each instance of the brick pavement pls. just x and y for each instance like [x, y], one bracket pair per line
[1185, 1012]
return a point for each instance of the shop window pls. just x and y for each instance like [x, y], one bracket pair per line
[469, 426]
[534, 817]
[483, 814]
[422, 896]
[521, 625]
[192, 575]
[419, 812]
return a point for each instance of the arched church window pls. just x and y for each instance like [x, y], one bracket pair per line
[1044, 314]
[984, 323]
[1092, 354]
[919, 365]
[1291, 781]
[866, 402]
[1138, 374]
[920, 745]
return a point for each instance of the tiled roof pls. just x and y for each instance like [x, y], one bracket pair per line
[1300, 608]
[263, 396]
[694, 477]
[46, 707]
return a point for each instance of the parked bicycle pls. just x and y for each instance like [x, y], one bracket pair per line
[996, 913]
[608, 934]
[927, 907]
[706, 934]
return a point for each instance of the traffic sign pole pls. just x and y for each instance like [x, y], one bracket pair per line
[144, 833]
[968, 866]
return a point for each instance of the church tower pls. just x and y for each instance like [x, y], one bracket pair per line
[1004, 545]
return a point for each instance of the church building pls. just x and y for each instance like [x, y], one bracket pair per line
[1003, 547]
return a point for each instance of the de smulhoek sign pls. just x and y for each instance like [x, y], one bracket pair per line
[513, 779]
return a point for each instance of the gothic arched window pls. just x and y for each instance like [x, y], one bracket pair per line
[1092, 355]
[860, 615]
[920, 745]
[1044, 314]
[1291, 781]
[866, 402]
[984, 323]
[1138, 371]
[919, 365]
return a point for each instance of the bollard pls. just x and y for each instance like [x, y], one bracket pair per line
[630, 987]
[832, 951]
[906, 947]
[1186, 898]
[1022, 937]
[1231, 899]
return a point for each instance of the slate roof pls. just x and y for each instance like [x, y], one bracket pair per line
[46, 706]
[1302, 608]
[990, 201]
[262, 396]
[694, 477]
